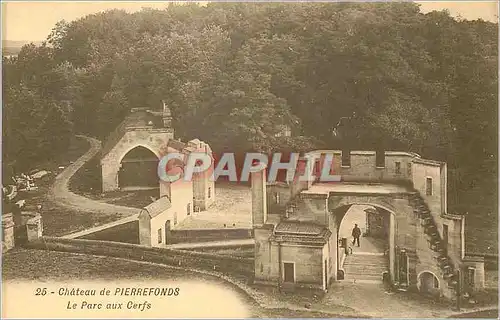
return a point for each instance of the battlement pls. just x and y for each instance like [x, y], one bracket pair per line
[428, 177]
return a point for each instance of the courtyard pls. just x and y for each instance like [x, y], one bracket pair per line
[232, 209]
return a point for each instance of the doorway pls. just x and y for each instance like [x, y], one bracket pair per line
[289, 272]
[138, 169]
[374, 256]
[428, 284]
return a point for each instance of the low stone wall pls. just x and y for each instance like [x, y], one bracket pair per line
[204, 235]
[198, 260]
[490, 260]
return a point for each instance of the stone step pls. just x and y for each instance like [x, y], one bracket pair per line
[364, 271]
[366, 260]
[365, 267]
[360, 277]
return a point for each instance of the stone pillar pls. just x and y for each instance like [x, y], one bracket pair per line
[264, 259]
[7, 232]
[144, 222]
[259, 198]
[34, 228]
[456, 237]
[109, 176]
[392, 248]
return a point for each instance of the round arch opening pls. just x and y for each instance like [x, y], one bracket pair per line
[373, 221]
[375, 258]
[428, 283]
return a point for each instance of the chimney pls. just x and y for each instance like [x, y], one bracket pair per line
[167, 116]
[259, 198]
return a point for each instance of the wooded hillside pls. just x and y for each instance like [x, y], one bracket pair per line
[234, 73]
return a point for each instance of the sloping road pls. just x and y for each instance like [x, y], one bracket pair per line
[61, 195]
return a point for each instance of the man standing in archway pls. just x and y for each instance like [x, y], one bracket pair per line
[356, 233]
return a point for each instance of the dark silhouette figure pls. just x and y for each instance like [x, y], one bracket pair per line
[356, 233]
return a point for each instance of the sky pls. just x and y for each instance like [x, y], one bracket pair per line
[33, 21]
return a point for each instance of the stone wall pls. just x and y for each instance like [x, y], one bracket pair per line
[423, 170]
[182, 202]
[308, 264]
[363, 166]
[265, 256]
[477, 264]
[204, 235]
[181, 196]
[189, 259]
[153, 139]
[312, 208]
[278, 196]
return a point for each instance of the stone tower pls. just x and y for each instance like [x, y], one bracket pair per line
[259, 198]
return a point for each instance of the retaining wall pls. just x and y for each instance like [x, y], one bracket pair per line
[198, 260]
[205, 235]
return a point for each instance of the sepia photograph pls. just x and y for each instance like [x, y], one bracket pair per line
[249, 159]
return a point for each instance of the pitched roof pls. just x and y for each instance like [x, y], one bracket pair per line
[299, 227]
[159, 206]
[301, 232]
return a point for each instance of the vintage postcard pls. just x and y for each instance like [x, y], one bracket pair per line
[249, 159]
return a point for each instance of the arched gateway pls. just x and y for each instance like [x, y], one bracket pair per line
[297, 224]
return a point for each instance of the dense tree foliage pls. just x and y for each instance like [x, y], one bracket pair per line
[235, 73]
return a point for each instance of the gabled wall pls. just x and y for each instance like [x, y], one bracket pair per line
[153, 139]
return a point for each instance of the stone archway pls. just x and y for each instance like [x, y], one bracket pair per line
[388, 253]
[428, 283]
[138, 169]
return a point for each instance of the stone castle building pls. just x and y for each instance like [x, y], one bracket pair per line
[296, 225]
[130, 159]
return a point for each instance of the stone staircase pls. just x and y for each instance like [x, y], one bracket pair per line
[443, 261]
[365, 267]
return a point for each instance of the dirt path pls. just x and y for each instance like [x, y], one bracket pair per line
[60, 194]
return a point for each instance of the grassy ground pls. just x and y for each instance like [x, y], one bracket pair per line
[57, 220]
[22, 264]
[87, 180]
[134, 199]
